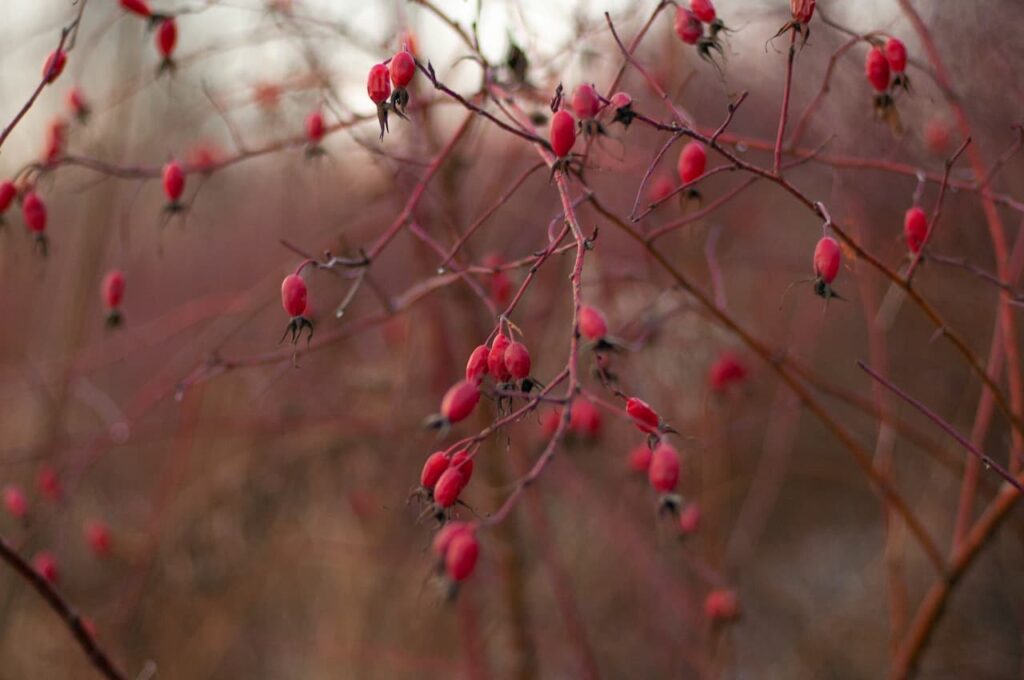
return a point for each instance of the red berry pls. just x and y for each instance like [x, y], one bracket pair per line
[137, 7]
[661, 189]
[937, 136]
[476, 367]
[703, 10]
[443, 538]
[433, 468]
[585, 418]
[403, 68]
[517, 360]
[563, 133]
[56, 136]
[692, 161]
[721, 605]
[496, 359]
[463, 462]
[585, 102]
[915, 228]
[459, 401]
[77, 103]
[593, 325]
[663, 473]
[314, 127]
[54, 65]
[378, 83]
[449, 486]
[461, 556]
[689, 519]
[46, 565]
[896, 54]
[621, 100]
[549, 422]
[98, 537]
[167, 37]
[113, 289]
[8, 191]
[644, 417]
[174, 181]
[501, 288]
[34, 211]
[876, 68]
[802, 10]
[294, 295]
[727, 370]
[14, 501]
[826, 259]
[49, 483]
[640, 458]
[688, 26]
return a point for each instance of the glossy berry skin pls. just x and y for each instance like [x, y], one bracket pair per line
[463, 462]
[449, 486]
[174, 181]
[33, 210]
[8, 191]
[644, 417]
[826, 259]
[726, 371]
[315, 127]
[585, 418]
[139, 7]
[45, 565]
[15, 502]
[593, 325]
[517, 360]
[97, 536]
[167, 37]
[461, 556]
[585, 102]
[688, 26]
[802, 10]
[640, 458]
[402, 69]
[113, 289]
[433, 468]
[721, 605]
[54, 65]
[703, 10]
[692, 161]
[476, 366]
[459, 401]
[496, 359]
[294, 295]
[896, 55]
[563, 133]
[915, 229]
[876, 68]
[663, 474]
[378, 83]
[689, 519]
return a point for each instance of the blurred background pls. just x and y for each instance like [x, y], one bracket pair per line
[258, 515]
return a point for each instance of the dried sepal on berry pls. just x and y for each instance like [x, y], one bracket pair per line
[33, 211]
[112, 290]
[166, 40]
[402, 70]
[295, 300]
[826, 267]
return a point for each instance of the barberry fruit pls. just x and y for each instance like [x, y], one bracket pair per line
[402, 70]
[644, 417]
[663, 472]
[15, 502]
[54, 65]
[496, 359]
[517, 360]
[33, 210]
[640, 458]
[692, 161]
[593, 325]
[113, 293]
[727, 370]
[458, 402]
[174, 185]
[915, 229]
[562, 136]
[826, 266]
[449, 486]
[476, 367]
[622, 104]
[378, 86]
[294, 299]
[585, 419]
[461, 557]
[166, 40]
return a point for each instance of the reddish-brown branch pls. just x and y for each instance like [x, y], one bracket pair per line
[99, 659]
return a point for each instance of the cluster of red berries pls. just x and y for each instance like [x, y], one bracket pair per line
[398, 72]
[443, 479]
[885, 69]
[690, 27]
[33, 211]
[166, 30]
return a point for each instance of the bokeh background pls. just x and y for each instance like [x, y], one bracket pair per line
[259, 518]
